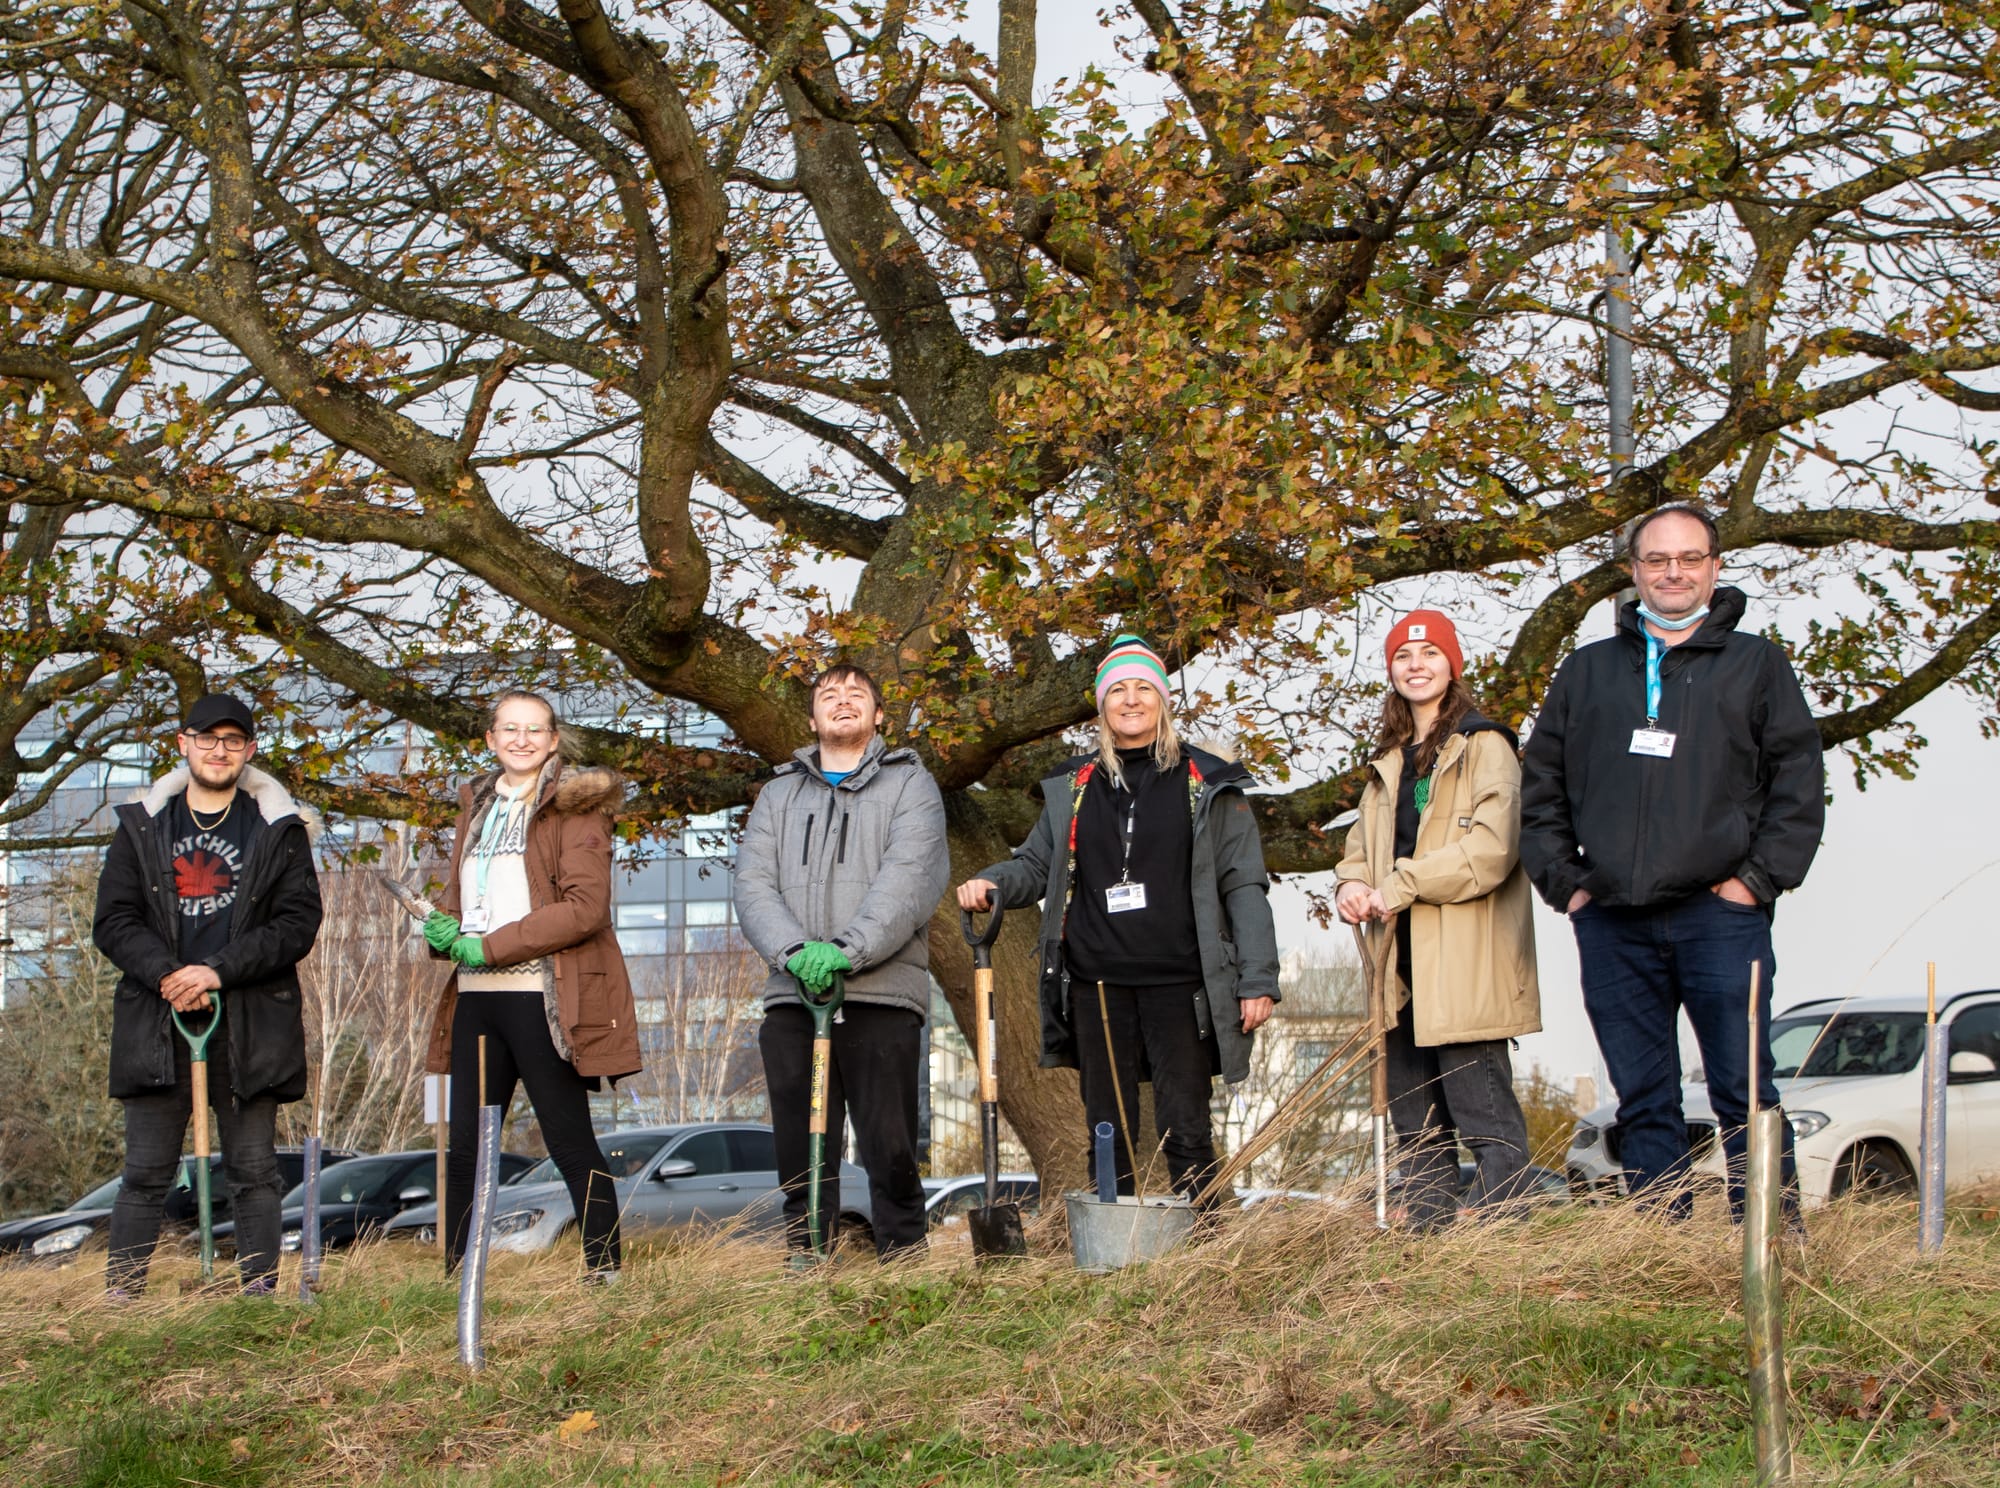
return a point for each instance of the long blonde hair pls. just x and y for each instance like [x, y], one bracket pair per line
[1166, 743]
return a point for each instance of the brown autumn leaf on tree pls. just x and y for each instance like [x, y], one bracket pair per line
[372, 355]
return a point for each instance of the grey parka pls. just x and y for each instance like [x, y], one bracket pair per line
[862, 864]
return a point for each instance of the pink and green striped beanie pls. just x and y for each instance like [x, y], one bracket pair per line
[1131, 657]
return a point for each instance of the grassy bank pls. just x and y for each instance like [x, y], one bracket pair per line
[1299, 1347]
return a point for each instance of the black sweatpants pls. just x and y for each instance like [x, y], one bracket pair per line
[1180, 1063]
[518, 1047]
[878, 1055]
[1440, 1096]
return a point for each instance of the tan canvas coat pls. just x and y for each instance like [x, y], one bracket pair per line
[1472, 938]
[588, 995]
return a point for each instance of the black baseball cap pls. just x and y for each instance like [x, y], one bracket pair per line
[216, 708]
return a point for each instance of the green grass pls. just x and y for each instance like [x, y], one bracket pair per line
[1300, 1347]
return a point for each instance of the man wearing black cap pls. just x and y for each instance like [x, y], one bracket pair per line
[209, 886]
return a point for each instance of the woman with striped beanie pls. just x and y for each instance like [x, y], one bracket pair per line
[1159, 958]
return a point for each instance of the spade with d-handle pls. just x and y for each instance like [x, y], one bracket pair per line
[822, 1005]
[996, 1229]
[198, 1068]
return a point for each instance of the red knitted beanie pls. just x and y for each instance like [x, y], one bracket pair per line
[1426, 625]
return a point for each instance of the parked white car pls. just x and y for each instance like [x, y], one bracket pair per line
[1850, 1074]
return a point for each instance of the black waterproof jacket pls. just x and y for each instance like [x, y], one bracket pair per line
[1742, 796]
[272, 926]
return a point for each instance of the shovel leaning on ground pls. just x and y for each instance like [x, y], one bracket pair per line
[198, 1070]
[822, 1005]
[996, 1229]
[1378, 955]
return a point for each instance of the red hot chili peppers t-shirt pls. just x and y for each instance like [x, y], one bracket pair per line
[210, 856]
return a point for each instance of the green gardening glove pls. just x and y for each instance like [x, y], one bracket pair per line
[468, 952]
[440, 930]
[815, 963]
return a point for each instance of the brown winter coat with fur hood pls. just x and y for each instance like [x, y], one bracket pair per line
[586, 990]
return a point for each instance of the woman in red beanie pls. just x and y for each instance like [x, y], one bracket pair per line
[1437, 848]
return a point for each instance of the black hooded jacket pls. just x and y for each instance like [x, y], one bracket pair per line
[272, 926]
[1743, 794]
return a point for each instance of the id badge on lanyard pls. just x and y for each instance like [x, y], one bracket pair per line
[1652, 740]
[1124, 896]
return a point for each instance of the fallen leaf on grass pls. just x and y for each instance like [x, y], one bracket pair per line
[239, 1449]
[1690, 1457]
[578, 1423]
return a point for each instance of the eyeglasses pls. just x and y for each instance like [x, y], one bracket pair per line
[234, 743]
[1655, 563]
[528, 731]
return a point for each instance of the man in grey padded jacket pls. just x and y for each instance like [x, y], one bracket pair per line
[842, 864]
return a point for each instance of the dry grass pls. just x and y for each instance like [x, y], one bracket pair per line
[1296, 1345]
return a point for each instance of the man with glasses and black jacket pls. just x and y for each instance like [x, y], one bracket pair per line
[208, 886]
[1672, 789]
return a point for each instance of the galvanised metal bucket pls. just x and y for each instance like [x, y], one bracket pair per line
[1104, 1237]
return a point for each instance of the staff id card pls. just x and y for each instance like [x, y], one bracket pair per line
[473, 922]
[1652, 741]
[1123, 896]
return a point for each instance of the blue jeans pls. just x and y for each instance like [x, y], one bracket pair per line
[1641, 967]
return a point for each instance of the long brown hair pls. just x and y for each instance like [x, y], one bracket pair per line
[1399, 724]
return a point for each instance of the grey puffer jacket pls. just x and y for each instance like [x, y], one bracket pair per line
[862, 864]
[1232, 909]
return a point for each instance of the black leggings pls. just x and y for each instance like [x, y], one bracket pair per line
[1156, 1024]
[518, 1047]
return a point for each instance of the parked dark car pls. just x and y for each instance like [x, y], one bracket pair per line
[361, 1195]
[665, 1177]
[59, 1237]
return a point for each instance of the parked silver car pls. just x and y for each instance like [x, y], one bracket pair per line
[713, 1172]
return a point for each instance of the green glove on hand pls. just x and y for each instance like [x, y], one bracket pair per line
[440, 930]
[815, 963]
[468, 952]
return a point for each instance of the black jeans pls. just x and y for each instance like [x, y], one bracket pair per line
[1642, 966]
[878, 1054]
[518, 1047]
[1447, 1094]
[155, 1127]
[1160, 1021]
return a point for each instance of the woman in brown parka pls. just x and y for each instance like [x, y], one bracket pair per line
[526, 915]
[1437, 845]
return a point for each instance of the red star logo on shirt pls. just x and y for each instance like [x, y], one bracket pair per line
[201, 875]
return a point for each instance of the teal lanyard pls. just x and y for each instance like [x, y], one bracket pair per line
[488, 844]
[1656, 651]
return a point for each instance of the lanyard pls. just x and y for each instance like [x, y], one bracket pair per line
[1130, 830]
[488, 844]
[1656, 651]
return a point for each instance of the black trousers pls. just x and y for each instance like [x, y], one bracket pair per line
[1444, 1094]
[878, 1057]
[244, 1133]
[1180, 1063]
[518, 1047]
